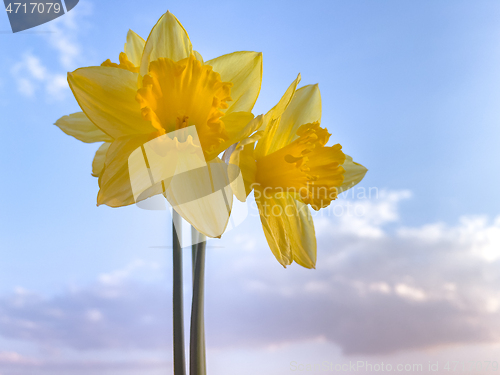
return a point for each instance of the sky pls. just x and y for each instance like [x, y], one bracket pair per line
[408, 261]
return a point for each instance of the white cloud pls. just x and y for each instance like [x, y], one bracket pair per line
[32, 77]
[409, 292]
[87, 319]
[361, 218]
[64, 32]
[25, 86]
[17, 364]
[56, 85]
[117, 277]
[475, 233]
[35, 68]
[379, 287]
[31, 74]
[94, 315]
[14, 358]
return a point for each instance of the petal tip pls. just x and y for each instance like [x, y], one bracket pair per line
[170, 15]
[131, 32]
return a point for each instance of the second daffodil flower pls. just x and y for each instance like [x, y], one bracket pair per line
[159, 87]
[290, 169]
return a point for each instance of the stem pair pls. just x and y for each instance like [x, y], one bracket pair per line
[197, 361]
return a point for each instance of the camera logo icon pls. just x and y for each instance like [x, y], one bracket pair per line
[174, 165]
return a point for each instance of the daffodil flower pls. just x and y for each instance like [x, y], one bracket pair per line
[290, 169]
[159, 87]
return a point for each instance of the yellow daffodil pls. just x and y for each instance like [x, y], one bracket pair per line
[290, 169]
[160, 86]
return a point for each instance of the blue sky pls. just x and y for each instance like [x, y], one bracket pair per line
[410, 90]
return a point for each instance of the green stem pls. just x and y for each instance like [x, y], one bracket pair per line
[197, 361]
[194, 247]
[179, 354]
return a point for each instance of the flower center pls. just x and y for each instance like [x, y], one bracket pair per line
[125, 63]
[305, 168]
[175, 95]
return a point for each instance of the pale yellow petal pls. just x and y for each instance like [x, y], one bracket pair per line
[274, 229]
[79, 126]
[303, 236]
[198, 56]
[202, 196]
[99, 159]
[107, 96]
[114, 181]
[168, 39]
[134, 47]
[288, 227]
[272, 119]
[228, 152]
[278, 110]
[304, 108]
[238, 125]
[244, 70]
[243, 157]
[353, 174]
